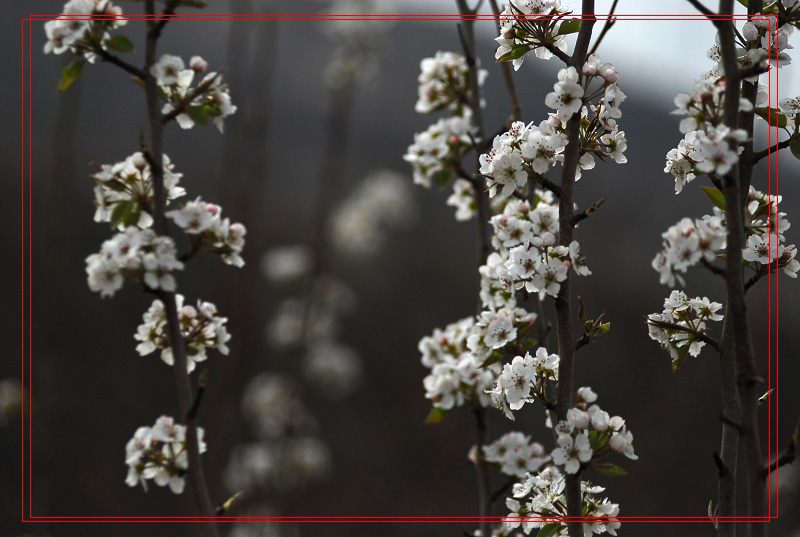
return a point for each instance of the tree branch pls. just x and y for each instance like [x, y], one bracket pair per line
[758, 155]
[787, 456]
[183, 384]
[508, 77]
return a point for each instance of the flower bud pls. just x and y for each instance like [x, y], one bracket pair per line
[198, 64]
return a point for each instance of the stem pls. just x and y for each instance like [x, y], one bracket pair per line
[566, 341]
[746, 376]
[729, 443]
[183, 384]
[606, 27]
[466, 32]
[508, 77]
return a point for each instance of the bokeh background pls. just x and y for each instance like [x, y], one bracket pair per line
[92, 390]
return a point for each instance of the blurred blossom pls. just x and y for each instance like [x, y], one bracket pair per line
[10, 399]
[270, 403]
[334, 368]
[287, 264]
[383, 201]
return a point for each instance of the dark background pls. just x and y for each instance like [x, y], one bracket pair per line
[92, 390]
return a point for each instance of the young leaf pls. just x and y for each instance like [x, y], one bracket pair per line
[494, 358]
[683, 352]
[120, 43]
[794, 147]
[609, 470]
[198, 114]
[442, 178]
[70, 74]
[771, 116]
[715, 196]
[548, 530]
[436, 415]
[569, 27]
[121, 212]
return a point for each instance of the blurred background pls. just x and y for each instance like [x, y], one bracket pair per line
[269, 171]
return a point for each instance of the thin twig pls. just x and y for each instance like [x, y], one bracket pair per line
[119, 62]
[583, 215]
[758, 155]
[787, 456]
[610, 21]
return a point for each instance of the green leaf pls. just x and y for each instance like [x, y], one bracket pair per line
[548, 530]
[493, 359]
[132, 218]
[794, 147]
[715, 196]
[507, 57]
[593, 439]
[198, 114]
[519, 51]
[121, 212]
[70, 74]
[569, 27]
[607, 469]
[771, 116]
[683, 353]
[603, 330]
[120, 43]
[443, 177]
[528, 344]
[436, 415]
[743, 2]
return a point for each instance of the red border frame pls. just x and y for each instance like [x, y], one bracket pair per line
[27, 172]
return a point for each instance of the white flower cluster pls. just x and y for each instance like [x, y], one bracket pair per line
[524, 380]
[124, 191]
[201, 328]
[760, 39]
[520, 150]
[209, 232]
[678, 326]
[515, 454]
[137, 254]
[790, 107]
[208, 100]
[75, 30]
[765, 243]
[526, 255]
[439, 148]
[541, 496]
[463, 199]
[159, 453]
[443, 83]
[357, 41]
[689, 242]
[382, 201]
[527, 25]
[456, 375]
[270, 402]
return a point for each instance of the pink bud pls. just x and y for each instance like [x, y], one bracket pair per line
[198, 64]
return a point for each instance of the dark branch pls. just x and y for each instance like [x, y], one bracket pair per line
[588, 212]
[772, 150]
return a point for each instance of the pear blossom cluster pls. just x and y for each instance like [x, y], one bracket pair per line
[209, 232]
[208, 100]
[521, 150]
[540, 500]
[524, 380]
[438, 149]
[360, 225]
[690, 242]
[443, 83]
[530, 25]
[201, 328]
[124, 191]
[679, 327]
[77, 31]
[766, 226]
[456, 375]
[136, 254]
[515, 454]
[333, 368]
[759, 40]
[159, 453]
